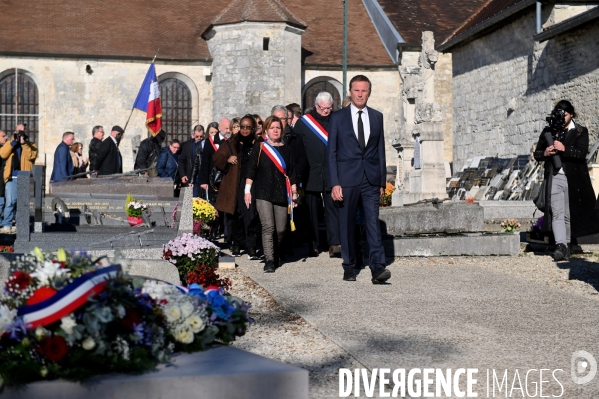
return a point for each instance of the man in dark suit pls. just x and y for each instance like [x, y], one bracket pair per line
[63, 163]
[94, 144]
[109, 160]
[189, 149]
[357, 170]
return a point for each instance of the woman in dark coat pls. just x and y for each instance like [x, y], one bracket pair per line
[230, 199]
[570, 207]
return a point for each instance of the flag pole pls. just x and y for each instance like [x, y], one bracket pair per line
[133, 108]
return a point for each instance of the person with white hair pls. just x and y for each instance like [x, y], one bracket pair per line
[313, 128]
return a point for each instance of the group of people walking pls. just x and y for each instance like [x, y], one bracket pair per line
[293, 164]
[323, 162]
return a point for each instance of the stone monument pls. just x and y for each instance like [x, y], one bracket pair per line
[421, 167]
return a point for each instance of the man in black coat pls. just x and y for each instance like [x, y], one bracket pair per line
[109, 160]
[94, 144]
[313, 128]
[147, 154]
[210, 148]
[189, 149]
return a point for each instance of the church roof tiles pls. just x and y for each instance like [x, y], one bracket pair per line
[257, 10]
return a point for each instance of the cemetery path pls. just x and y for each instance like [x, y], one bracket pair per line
[444, 313]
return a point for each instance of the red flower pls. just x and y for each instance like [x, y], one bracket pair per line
[131, 318]
[19, 280]
[54, 348]
[41, 294]
[206, 276]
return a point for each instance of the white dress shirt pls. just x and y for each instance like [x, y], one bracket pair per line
[365, 121]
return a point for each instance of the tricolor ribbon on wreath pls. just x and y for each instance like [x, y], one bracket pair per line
[279, 162]
[316, 128]
[69, 299]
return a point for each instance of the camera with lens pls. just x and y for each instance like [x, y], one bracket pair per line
[19, 134]
[557, 120]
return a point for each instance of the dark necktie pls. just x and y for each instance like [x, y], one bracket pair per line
[361, 140]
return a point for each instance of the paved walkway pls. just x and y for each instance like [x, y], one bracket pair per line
[443, 315]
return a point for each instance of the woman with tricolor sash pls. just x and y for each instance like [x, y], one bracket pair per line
[271, 178]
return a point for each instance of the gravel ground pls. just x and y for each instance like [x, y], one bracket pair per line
[281, 335]
[278, 334]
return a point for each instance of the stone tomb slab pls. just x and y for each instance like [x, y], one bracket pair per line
[219, 373]
[428, 218]
[158, 186]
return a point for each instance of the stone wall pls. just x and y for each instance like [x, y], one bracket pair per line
[384, 98]
[71, 99]
[505, 84]
[247, 78]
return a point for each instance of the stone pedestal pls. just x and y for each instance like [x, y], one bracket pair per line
[429, 180]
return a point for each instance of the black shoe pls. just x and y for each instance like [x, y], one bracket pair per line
[381, 276]
[337, 251]
[560, 253]
[235, 251]
[349, 275]
[281, 259]
[575, 249]
[312, 252]
[269, 267]
[252, 254]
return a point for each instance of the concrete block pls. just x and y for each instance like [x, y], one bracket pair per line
[427, 218]
[226, 262]
[501, 210]
[458, 245]
[219, 373]
[130, 253]
[154, 269]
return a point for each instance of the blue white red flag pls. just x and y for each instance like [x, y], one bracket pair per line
[148, 101]
[316, 128]
[69, 299]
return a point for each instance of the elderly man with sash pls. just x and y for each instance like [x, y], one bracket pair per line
[312, 128]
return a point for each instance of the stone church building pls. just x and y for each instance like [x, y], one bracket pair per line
[70, 65]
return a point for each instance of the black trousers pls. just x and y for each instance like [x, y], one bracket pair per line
[369, 195]
[243, 234]
[314, 201]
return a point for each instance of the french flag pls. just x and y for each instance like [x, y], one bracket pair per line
[148, 101]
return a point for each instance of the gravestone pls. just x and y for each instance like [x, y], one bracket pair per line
[186, 221]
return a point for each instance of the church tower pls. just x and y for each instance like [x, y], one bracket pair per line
[256, 51]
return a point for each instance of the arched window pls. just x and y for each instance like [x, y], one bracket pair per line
[315, 86]
[176, 109]
[19, 103]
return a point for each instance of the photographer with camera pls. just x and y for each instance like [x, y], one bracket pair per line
[570, 199]
[19, 155]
